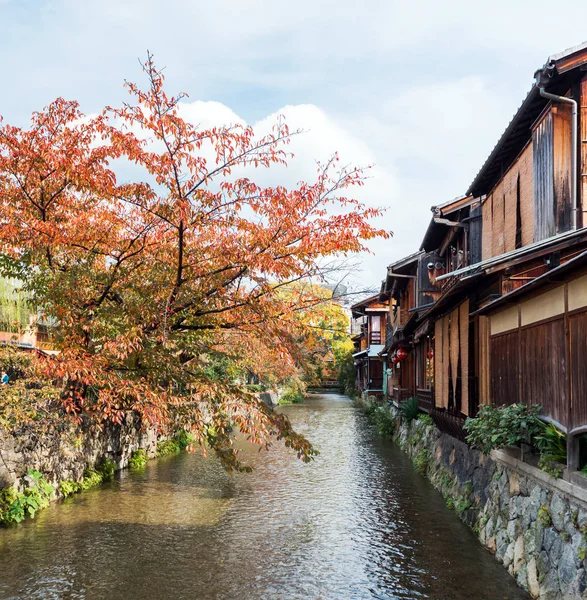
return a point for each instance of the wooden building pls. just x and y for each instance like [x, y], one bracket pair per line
[493, 308]
[368, 328]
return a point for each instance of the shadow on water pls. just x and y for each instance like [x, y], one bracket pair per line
[358, 523]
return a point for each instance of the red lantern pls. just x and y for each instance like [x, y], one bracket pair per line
[401, 354]
[395, 360]
[430, 354]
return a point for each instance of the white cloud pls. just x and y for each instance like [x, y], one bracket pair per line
[423, 90]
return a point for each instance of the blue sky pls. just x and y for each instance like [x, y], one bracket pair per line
[421, 89]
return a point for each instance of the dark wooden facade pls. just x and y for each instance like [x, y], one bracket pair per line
[496, 299]
[369, 324]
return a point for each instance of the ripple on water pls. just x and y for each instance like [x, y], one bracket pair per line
[357, 523]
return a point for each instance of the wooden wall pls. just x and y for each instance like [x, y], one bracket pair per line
[578, 364]
[505, 368]
[451, 361]
[538, 353]
[551, 140]
[583, 157]
[508, 211]
[543, 368]
[544, 225]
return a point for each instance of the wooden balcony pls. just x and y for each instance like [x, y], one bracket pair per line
[425, 399]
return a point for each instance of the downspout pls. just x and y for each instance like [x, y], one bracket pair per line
[542, 76]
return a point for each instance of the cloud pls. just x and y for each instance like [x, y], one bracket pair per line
[422, 90]
[321, 135]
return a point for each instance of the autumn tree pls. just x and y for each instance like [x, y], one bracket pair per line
[149, 278]
[321, 329]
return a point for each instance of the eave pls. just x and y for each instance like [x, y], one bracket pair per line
[554, 276]
[563, 68]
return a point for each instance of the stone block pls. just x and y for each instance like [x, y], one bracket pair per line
[522, 577]
[567, 567]
[550, 588]
[543, 563]
[508, 557]
[491, 545]
[532, 575]
[500, 543]
[490, 527]
[548, 539]
[533, 539]
[514, 528]
[519, 554]
[558, 509]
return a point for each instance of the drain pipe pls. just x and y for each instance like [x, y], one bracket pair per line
[541, 78]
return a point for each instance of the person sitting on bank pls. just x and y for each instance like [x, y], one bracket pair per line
[5, 379]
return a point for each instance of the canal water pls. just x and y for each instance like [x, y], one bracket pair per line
[357, 523]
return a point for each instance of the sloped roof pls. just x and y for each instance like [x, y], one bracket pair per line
[518, 131]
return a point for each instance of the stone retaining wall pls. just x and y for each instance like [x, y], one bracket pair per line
[64, 452]
[535, 525]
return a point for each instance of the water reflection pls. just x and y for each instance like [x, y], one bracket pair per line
[358, 523]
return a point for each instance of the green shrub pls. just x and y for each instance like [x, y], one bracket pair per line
[409, 409]
[544, 516]
[256, 388]
[426, 419]
[92, 478]
[184, 439]
[344, 365]
[384, 421]
[180, 441]
[16, 506]
[421, 461]
[293, 392]
[552, 444]
[496, 428]
[165, 447]
[138, 459]
[106, 468]
[69, 487]
[462, 504]
[370, 409]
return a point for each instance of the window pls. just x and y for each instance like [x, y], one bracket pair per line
[425, 365]
[376, 329]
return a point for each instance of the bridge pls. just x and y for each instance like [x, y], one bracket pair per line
[331, 385]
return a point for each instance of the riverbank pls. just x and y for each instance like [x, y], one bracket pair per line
[40, 463]
[356, 523]
[47, 460]
[535, 526]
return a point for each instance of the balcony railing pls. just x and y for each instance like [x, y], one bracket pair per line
[375, 337]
